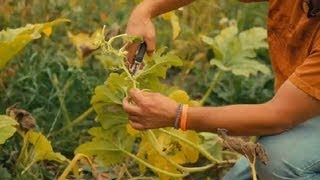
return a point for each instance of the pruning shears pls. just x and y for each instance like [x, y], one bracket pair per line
[137, 61]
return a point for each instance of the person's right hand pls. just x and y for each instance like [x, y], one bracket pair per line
[140, 24]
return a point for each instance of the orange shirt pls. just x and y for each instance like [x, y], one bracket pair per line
[294, 42]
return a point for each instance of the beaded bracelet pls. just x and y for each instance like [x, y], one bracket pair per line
[178, 116]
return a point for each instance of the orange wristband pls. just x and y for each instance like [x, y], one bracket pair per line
[184, 115]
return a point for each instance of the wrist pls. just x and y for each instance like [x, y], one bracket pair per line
[143, 10]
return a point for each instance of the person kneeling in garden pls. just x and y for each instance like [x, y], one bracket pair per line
[288, 124]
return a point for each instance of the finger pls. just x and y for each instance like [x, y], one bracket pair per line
[132, 49]
[147, 93]
[150, 39]
[136, 95]
[131, 109]
[133, 118]
[136, 125]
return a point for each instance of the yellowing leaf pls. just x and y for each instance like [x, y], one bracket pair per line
[180, 96]
[84, 42]
[73, 3]
[14, 40]
[7, 128]
[177, 150]
[42, 149]
[148, 153]
[47, 31]
[174, 20]
[132, 131]
[193, 103]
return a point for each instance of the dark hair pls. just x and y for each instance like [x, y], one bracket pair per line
[313, 9]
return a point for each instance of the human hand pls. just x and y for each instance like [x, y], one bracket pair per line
[148, 110]
[140, 24]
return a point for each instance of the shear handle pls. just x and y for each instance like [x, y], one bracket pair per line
[142, 50]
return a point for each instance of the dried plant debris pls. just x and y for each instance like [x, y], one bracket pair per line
[249, 149]
[24, 118]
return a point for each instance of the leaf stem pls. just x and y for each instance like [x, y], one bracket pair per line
[79, 119]
[151, 136]
[197, 147]
[151, 166]
[73, 163]
[54, 81]
[253, 168]
[216, 80]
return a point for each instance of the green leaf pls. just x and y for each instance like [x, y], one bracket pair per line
[211, 143]
[152, 83]
[254, 38]
[7, 128]
[132, 38]
[249, 67]
[235, 52]
[4, 173]
[110, 116]
[107, 100]
[216, 50]
[224, 39]
[14, 40]
[107, 144]
[219, 64]
[109, 62]
[113, 91]
[104, 151]
[42, 149]
[159, 64]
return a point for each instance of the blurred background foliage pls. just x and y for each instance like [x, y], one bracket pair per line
[54, 81]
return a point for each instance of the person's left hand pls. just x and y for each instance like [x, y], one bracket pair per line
[148, 110]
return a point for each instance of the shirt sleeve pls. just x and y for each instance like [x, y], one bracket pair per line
[307, 76]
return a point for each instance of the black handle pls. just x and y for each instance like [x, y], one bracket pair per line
[142, 50]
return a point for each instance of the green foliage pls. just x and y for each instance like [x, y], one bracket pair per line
[235, 52]
[54, 78]
[115, 138]
[107, 144]
[4, 174]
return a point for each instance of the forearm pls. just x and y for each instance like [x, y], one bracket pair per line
[288, 108]
[261, 119]
[153, 8]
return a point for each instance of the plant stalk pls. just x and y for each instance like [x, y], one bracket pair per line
[197, 147]
[216, 80]
[54, 81]
[79, 119]
[73, 163]
[153, 167]
[151, 136]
